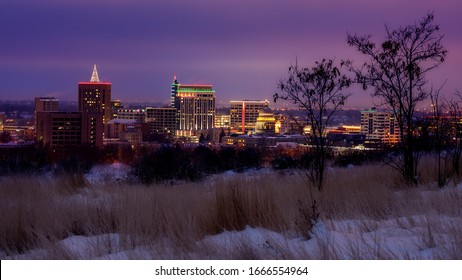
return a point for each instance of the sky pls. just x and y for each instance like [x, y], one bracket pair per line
[242, 47]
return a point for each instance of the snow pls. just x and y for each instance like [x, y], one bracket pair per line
[402, 238]
[109, 174]
[419, 236]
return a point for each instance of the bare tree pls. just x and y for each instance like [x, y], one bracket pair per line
[318, 91]
[396, 70]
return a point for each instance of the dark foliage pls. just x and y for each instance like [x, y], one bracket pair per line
[167, 163]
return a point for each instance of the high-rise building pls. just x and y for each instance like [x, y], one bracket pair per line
[244, 114]
[95, 96]
[380, 125]
[63, 131]
[195, 106]
[161, 120]
[173, 91]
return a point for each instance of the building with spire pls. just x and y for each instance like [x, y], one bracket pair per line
[95, 96]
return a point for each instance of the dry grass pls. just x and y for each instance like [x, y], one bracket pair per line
[168, 221]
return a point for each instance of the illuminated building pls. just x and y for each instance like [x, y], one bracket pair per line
[161, 120]
[173, 91]
[139, 115]
[195, 106]
[244, 114]
[2, 120]
[256, 140]
[380, 125]
[63, 131]
[95, 96]
[266, 122]
[222, 121]
[345, 136]
[115, 106]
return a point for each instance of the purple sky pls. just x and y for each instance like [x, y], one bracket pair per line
[242, 47]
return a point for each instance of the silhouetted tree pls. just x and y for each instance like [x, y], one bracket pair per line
[396, 70]
[5, 137]
[319, 91]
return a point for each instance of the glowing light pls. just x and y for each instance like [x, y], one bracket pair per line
[94, 75]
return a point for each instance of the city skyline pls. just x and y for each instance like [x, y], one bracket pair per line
[243, 48]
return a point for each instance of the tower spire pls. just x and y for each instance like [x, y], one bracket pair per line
[94, 75]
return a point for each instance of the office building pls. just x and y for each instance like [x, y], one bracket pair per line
[161, 120]
[244, 114]
[122, 130]
[115, 106]
[46, 104]
[222, 120]
[95, 96]
[380, 125]
[195, 104]
[139, 115]
[63, 131]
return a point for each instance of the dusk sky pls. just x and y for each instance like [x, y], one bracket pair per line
[242, 47]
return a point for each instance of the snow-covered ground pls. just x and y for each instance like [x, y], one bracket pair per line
[429, 235]
[417, 237]
[109, 174]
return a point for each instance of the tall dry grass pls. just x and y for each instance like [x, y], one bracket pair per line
[169, 221]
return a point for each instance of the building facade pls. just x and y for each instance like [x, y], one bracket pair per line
[95, 96]
[46, 104]
[63, 131]
[266, 122]
[116, 105]
[244, 114]
[195, 106]
[139, 115]
[161, 120]
[222, 120]
[380, 125]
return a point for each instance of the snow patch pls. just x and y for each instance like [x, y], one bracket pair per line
[109, 174]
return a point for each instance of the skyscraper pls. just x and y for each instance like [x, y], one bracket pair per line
[95, 96]
[244, 114]
[195, 104]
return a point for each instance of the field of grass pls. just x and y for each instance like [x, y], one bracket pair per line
[364, 213]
